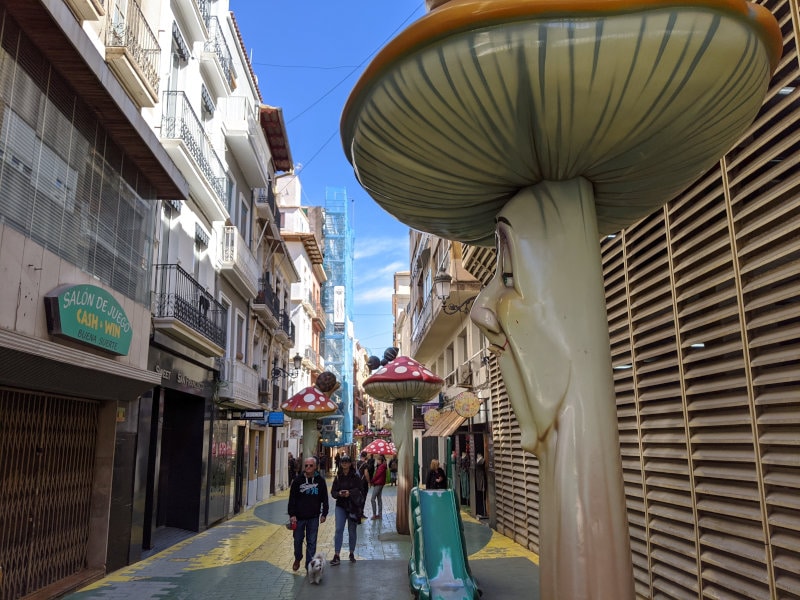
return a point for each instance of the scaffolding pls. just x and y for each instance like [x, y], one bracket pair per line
[337, 302]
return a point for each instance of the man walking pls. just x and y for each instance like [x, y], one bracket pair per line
[308, 507]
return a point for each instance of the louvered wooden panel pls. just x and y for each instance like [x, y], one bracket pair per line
[617, 309]
[667, 480]
[765, 206]
[703, 310]
[516, 472]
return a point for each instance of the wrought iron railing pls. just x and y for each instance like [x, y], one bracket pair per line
[311, 354]
[267, 296]
[287, 325]
[236, 252]
[216, 43]
[129, 29]
[203, 5]
[321, 314]
[420, 322]
[181, 122]
[265, 196]
[177, 295]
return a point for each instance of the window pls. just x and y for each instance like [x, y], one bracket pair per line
[240, 337]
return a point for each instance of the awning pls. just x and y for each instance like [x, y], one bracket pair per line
[445, 425]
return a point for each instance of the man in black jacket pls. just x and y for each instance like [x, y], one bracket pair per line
[308, 507]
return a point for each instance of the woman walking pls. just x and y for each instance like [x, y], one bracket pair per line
[350, 492]
[378, 481]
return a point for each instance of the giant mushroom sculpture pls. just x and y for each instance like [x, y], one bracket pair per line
[542, 125]
[403, 381]
[309, 404]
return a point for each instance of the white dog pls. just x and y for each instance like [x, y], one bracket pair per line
[316, 567]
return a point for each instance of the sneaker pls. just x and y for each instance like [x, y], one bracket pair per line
[352, 557]
[296, 565]
[375, 517]
[335, 560]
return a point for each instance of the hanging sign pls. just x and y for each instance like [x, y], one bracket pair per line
[241, 415]
[90, 315]
[467, 404]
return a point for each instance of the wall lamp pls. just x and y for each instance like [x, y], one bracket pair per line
[441, 287]
[277, 372]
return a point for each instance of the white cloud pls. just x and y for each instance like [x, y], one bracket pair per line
[375, 294]
[393, 267]
[381, 246]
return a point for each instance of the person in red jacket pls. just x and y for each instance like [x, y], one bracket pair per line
[377, 482]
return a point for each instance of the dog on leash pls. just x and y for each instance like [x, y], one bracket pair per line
[316, 567]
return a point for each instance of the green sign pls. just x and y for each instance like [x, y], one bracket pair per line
[90, 315]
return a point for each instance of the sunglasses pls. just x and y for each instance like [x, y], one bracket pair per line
[309, 465]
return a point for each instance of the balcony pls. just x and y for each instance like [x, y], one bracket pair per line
[285, 333]
[320, 319]
[216, 62]
[431, 328]
[246, 140]
[312, 360]
[186, 142]
[87, 10]
[185, 311]
[265, 391]
[132, 52]
[193, 15]
[239, 384]
[265, 203]
[266, 303]
[237, 263]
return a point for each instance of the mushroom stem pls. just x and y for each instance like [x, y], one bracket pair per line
[545, 313]
[310, 437]
[403, 441]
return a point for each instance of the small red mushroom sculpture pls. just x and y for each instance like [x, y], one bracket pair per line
[309, 404]
[403, 381]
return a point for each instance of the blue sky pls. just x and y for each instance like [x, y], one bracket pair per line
[307, 57]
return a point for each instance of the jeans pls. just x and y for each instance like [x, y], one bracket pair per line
[377, 494]
[308, 529]
[338, 536]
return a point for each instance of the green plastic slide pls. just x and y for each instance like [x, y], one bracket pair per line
[438, 568]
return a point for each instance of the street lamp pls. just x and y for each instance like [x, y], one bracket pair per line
[441, 286]
[277, 372]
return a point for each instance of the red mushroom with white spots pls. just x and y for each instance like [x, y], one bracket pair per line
[309, 404]
[403, 381]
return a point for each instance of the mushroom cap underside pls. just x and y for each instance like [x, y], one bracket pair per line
[640, 104]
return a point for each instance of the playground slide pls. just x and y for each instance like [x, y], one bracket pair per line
[438, 568]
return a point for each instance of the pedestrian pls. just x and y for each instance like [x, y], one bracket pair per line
[323, 465]
[437, 479]
[336, 460]
[377, 482]
[393, 471]
[362, 463]
[292, 468]
[350, 491]
[308, 507]
[371, 466]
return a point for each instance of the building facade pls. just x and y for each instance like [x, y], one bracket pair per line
[148, 288]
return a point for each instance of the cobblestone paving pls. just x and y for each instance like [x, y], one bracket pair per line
[250, 557]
